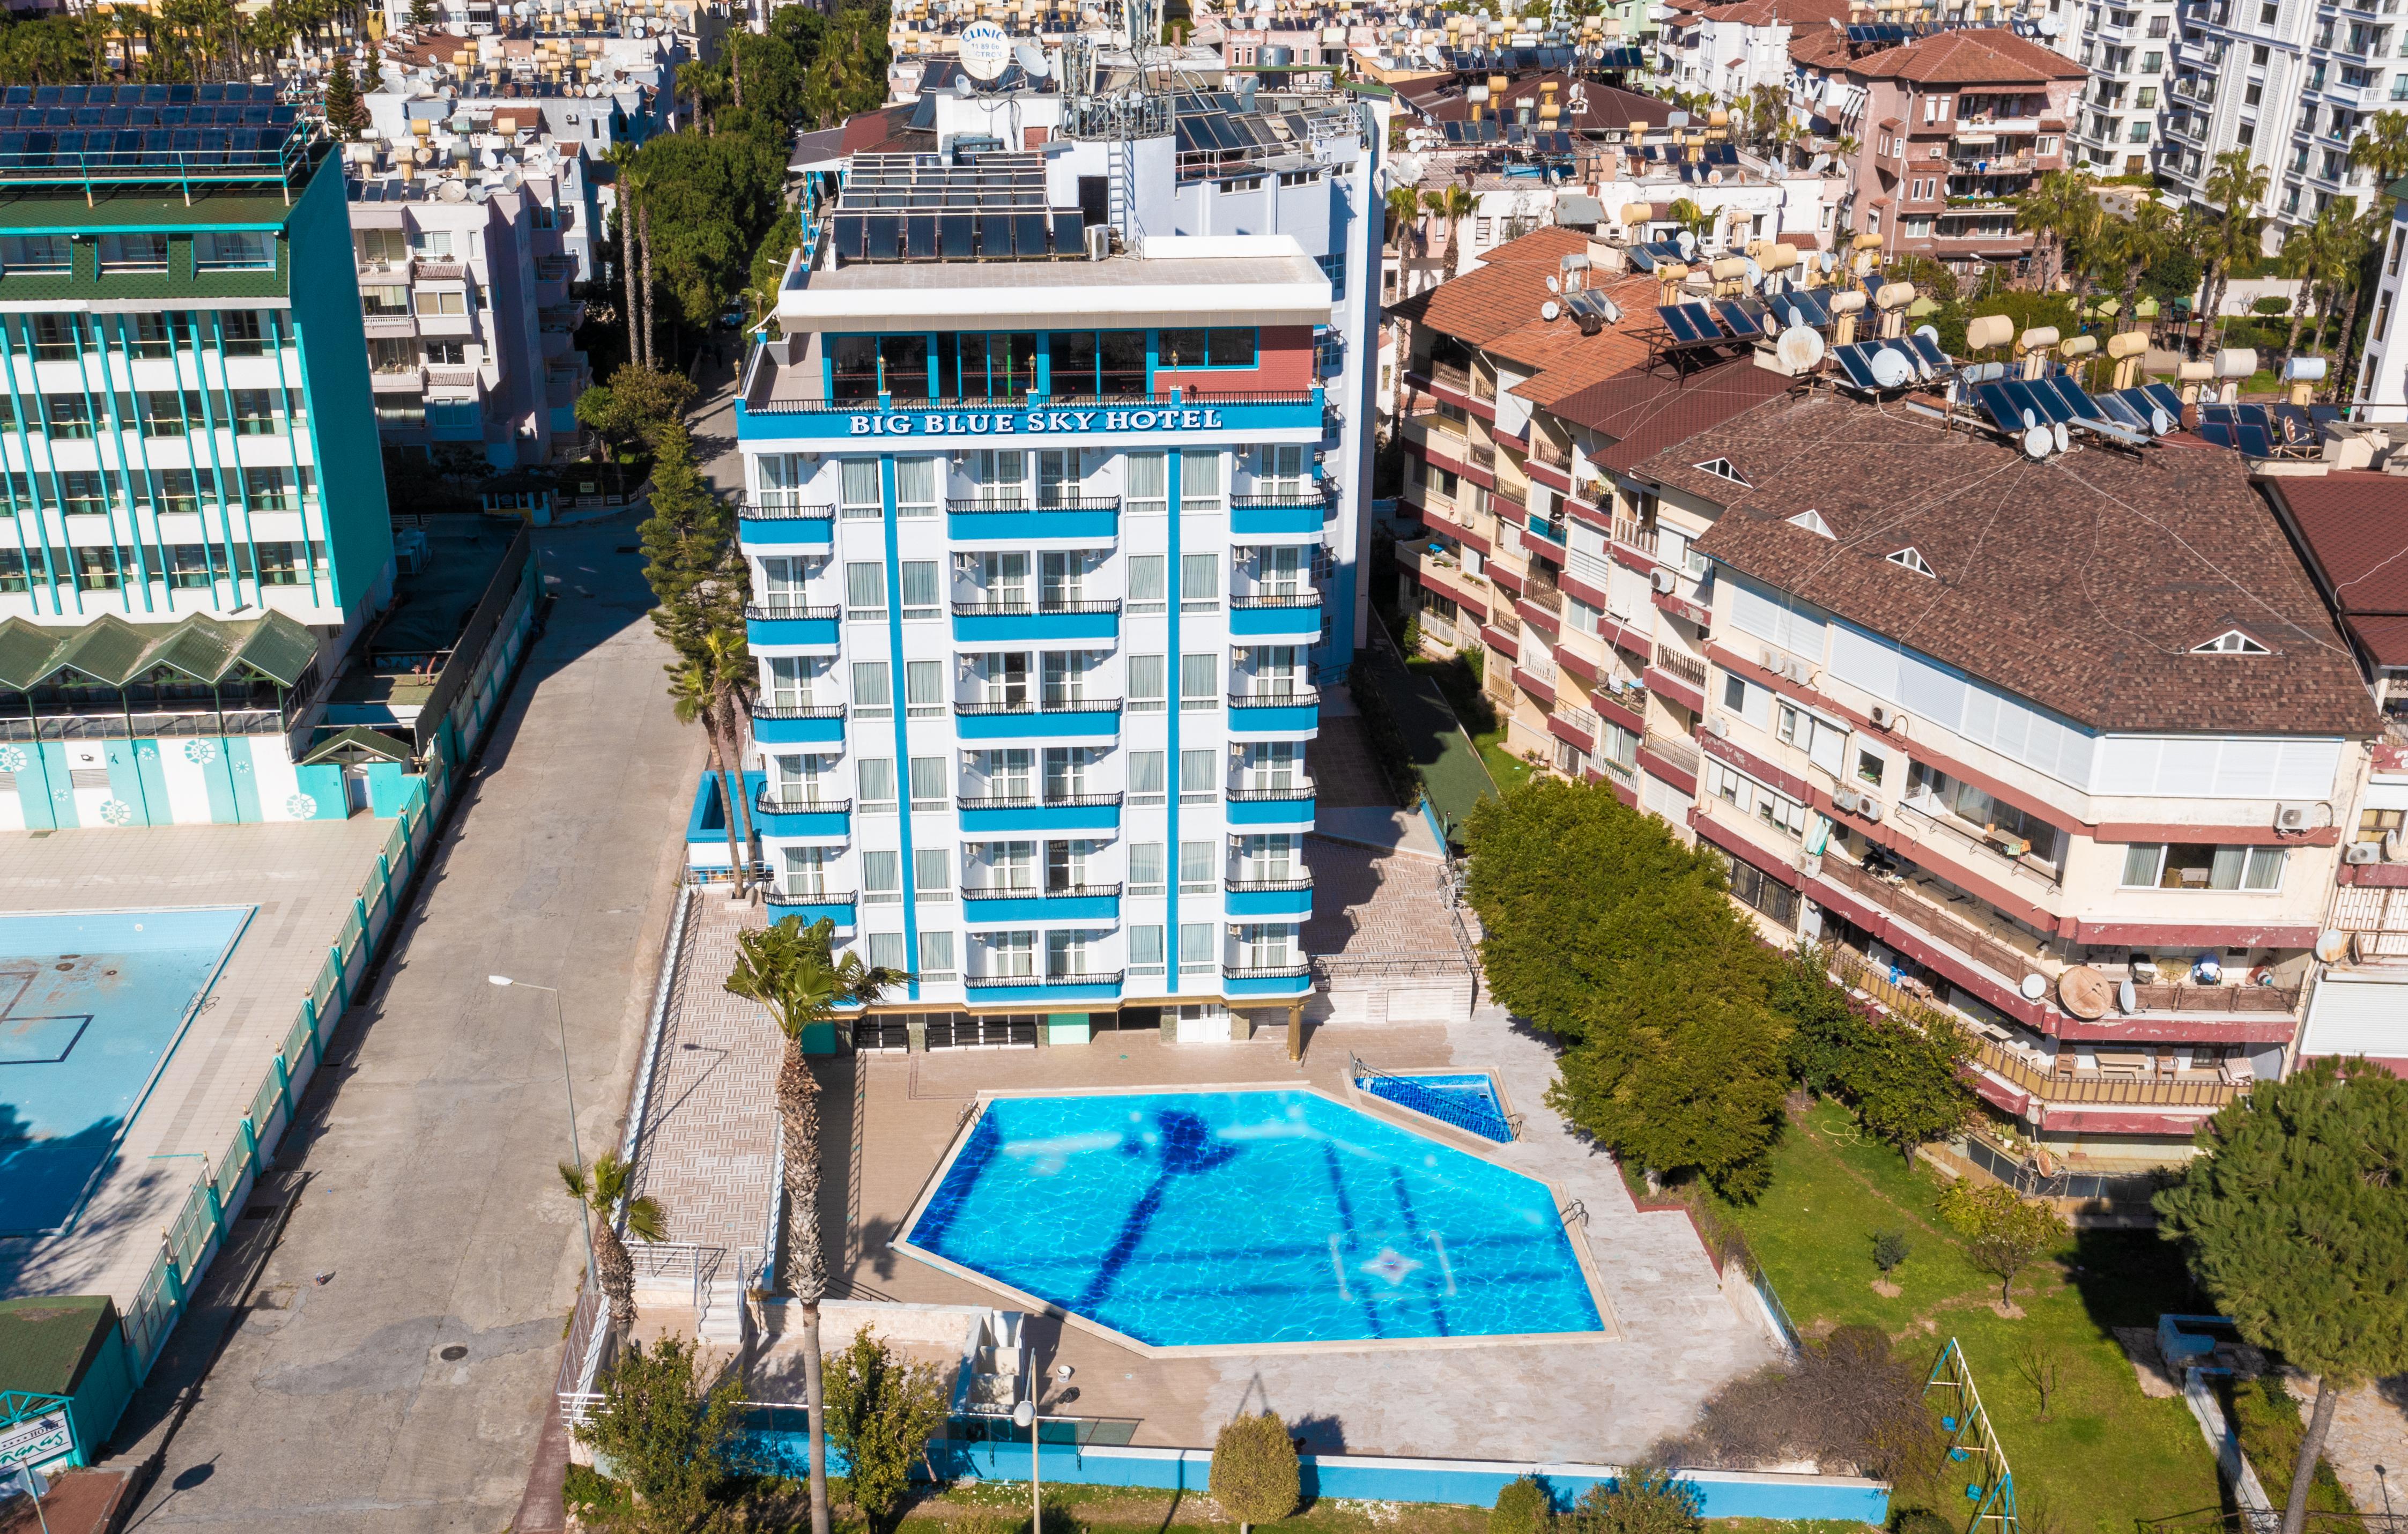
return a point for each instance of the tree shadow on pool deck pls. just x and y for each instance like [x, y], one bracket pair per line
[45, 1179]
[45, 1183]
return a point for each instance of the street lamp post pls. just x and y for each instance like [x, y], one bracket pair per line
[569, 1085]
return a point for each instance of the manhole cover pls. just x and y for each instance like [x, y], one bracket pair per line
[454, 1353]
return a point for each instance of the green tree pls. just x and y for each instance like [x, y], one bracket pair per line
[793, 970]
[603, 1188]
[667, 1431]
[2294, 1219]
[2134, 245]
[422, 14]
[1645, 1501]
[1404, 211]
[1524, 1506]
[2323, 255]
[346, 113]
[1254, 1475]
[634, 407]
[2381, 148]
[1449, 204]
[2365, 233]
[2003, 1231]
[2063, 211]
[2234, 189]
[1607, 932]
[882, 1411]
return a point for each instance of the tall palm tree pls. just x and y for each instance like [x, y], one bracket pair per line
[793, 970]
[1450, 204]
[1404, 210]
[2362, 242]
[2317, 254]
[2234, 188]
[2063, 211]
[603, 1189]
[2130, 246]
[2382, 146]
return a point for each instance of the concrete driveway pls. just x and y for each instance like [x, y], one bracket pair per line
[393, 1371]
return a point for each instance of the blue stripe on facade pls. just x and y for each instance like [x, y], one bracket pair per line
[1175, 701]
[898, 695]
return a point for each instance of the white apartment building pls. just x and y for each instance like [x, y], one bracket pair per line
[2128, 49]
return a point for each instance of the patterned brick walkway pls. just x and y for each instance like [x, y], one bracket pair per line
[1343, 770]
[1368, 904]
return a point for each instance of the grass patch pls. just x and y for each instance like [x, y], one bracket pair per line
[2106, 1455]
[2270, 1426]
[1460, 686]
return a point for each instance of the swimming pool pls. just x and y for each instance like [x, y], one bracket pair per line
[91, 1004]
[1467, 1100]
[1230, 1220]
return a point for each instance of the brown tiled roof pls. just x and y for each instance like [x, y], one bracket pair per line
[2355, 528]
[2082, 581]
[1794, 13]
[1563, 360]
[1989, 56]
[1818, 48]
[1646, 412]
[1502, 295]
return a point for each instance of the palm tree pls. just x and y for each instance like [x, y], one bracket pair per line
[2132, 245]
[603, 1188]
[2233, 189]
[791, 970]
[2063, 211]
[698, 691]
[2317, 256]
[2382, 146]
[1404, 210]
[1450, 206]
[2361, 241]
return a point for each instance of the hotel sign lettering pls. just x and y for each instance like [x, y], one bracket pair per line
[1037, 422]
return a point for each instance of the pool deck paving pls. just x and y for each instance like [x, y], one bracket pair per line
[302, 876]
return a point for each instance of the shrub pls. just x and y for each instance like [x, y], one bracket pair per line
[1255, 1474]
[1889, 1250]
[666, 1432]
[2271, 303]
[1523, 1507]
[880, 1411]
[1846, 1401]
[1643, 1501]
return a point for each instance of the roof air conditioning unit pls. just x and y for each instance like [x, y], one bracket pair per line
[1099, 241]
[1771, 657]
[2299, 815]
[1869, 807]
[1664, 579]
[2362, 852]
[1718, 726]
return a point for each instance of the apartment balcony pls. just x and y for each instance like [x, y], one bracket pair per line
[399, 381]
[1285, 713]
[780, 815]
[1083, 519]
[389, 327]
[555, 269]
[990, 813]
[1679, 677]
[982, 621]
[1019, 905]
[798, 723]
[439, 271]
[457, 378]
[812, 908]
[1675, 761]
[1276, 615]
[1266, 979]
[772, 518]
[1056, 719]
[790, 626]
[1252, 896]
[1287, 805]
[1295, 513]
[1045, 989]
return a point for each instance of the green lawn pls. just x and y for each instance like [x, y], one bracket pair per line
[2108, 1455]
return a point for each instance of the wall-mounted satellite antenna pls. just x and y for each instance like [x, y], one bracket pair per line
[1031, 60]
[984, 50]
[1891, 370]
[1555, 284]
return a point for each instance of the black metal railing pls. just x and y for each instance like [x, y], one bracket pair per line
[1265, 971]
[771, 803]
[996, 801]
[767, 612]
[753, 509]
[989, 505]
[979, 983]
[833, 897]
[1298, 697]
[1024, 609]
[796, 710]
[1269, 795]
[1260, 886]
[1031, 892]
[1050, 705]
[1276, 599]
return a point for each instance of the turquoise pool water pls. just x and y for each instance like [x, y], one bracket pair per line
[1468, 1100]
[91, 1006]
[1228, 1218]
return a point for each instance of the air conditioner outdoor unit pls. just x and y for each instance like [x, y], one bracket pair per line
[2362, 852]
[1884, 719]
[2299, 815]
[1099, 241]
[1769, 656]
[1869, 807]
[2395, 847]
[1845, 799]
[1718, 726]
[1665, 580]
[1794, 669]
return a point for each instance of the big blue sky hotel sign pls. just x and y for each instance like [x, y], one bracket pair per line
[1034, 423]
[1290, 420]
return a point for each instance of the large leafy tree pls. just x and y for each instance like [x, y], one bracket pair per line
[794, 971]
[2130, 246]
[1607, 932]
[1901, 1075]
[2295, 1220]
[882, 1409]
[2063, 211]
[669, 1435]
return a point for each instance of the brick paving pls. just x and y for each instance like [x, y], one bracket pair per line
[1371, 904]
[302, 876]
[2369, 1434]
[1344, 772]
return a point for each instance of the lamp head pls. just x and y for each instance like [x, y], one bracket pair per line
[1023, 1414]
[498, 980]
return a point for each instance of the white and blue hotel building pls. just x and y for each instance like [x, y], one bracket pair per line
[1054, 552]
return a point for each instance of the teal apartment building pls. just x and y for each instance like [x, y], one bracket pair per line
[193, 520]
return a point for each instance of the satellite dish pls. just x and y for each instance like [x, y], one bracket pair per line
[2033, 988]
[1676, 119]
[2056, 431]
[962, 85]
[1799, 348]
[2031, 419]
[2159, 422]
[1031, 60]
[1550, 310]
[1687, 241]
[2333, 945]
[1891, 368]
[1929, 333]
[1555, 284]
[984, 50]
[2037, 442]
[2050, 26]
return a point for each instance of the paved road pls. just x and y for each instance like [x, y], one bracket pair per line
[432, 1198]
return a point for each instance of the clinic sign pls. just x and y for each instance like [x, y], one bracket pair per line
[43, 1438]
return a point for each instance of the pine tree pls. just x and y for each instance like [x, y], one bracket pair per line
[2295, 1220]
[422, 14]
[346, 113]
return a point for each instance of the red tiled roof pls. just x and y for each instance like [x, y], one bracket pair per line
[2386, 637]
[1794, 13]
[1989, 56]
[2083, 581]
[2355, 526]
[1502, 295]
[1646, 412]
[1818, 48]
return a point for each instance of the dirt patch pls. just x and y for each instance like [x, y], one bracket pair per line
[1887, 1290]
[2140, 1345]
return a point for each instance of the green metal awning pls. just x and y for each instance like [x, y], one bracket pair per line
[355, 743]
[115, 653]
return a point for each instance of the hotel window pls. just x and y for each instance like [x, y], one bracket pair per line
[445, 353]
[882, 879]
[1199, 583]
[1200, 683]
[269, 490]
[1100, 365]
[936, 956]
[1057, 478]
[70, 415]
[1145, 584]
[872, 698]
[1200, 867]
[1146, 776]
[1195, 944]
[874, 778]
[924, 688]
[147, 335]
[1001, 477]
[806, 869]
[254, 412]
[885, 950]
[1230, 347]
[83, 492]
[2190, 866]
[1010, 954]
[179, 489]
[244, 332]
[1146, 950]
[858, 488]
[1147, 493]
[1199, 777]
[932, 876]
[34, 255]
[281, 563]
[1146, 683]
[12, 570]
[1069, 954]
[853, 369]
[234, 251]
[921, 601]
[1932, 791]
[928, 791]
[999, 365]
[96, 568]
[392, 354]
[381, 245]
[1145, 868]
[1749, 797]
[387, 303]
[1199, 483]
[433, 243]
[57, 337]
[133, 253]
[865, 591]
[915, 488]
[163, 414]
[903, 368]
[188, 567]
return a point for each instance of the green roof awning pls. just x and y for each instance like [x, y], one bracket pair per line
[278, 647]
[355, 742]
[114, 653]
[107, 650]
[46, 1344]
